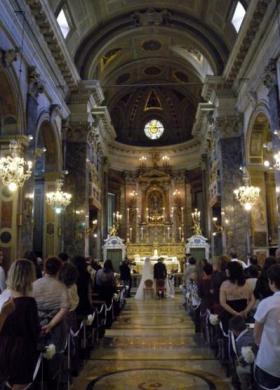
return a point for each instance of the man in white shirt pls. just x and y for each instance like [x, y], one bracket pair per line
[234, 258]
[267, 334]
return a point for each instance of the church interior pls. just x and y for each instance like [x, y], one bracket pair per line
[134, 130]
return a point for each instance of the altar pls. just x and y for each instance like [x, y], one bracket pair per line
[172, 263]
[172, 255]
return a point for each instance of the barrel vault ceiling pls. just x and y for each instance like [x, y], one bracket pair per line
[151, 57]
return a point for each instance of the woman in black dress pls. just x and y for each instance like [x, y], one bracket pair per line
[18, 337]
[83, 286]
[236, 294]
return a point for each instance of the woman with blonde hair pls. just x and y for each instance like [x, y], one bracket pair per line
[18, 337]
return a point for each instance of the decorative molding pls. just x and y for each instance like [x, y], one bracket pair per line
[151, 17]
[228, 126]
[102, 114]
[55, 109]
[76, 133]
[35, 84]
[8, 57]
[270, 74]
[245, 40]
[61, 56]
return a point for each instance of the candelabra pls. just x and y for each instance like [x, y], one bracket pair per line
[196, 222]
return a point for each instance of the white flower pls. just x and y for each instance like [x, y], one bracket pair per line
[89, 320]
[116, 297]
[248, 354]
[49, 352]
[214, 319]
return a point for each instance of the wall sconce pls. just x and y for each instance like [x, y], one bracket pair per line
[165, 161]
[133, 194]
[142, 161]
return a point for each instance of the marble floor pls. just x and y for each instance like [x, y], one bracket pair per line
[152, 346]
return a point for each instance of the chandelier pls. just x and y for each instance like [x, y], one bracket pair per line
[247, 195]
[14, 170]
[58, 199]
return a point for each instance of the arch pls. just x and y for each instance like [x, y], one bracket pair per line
[259, 152]
[12, 121]
[47, 136]
[259, 132]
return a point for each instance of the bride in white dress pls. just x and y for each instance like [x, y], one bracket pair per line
[148, 273]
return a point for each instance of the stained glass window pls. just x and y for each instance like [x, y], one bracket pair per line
[154, 129]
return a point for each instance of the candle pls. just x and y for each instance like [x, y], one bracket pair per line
[180, 232]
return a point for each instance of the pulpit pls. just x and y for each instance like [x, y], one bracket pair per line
[198, 247]
[115, 250]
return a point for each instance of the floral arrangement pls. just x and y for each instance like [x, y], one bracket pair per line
[89, 320]
[116, 297]
[50, 351]
[214, 319]
[248, 354]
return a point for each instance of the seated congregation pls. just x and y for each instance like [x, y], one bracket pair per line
[237, 310]
[52, 317]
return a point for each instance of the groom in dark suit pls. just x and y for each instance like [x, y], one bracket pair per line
[160, 274]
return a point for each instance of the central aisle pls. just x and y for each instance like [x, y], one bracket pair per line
[152, 346]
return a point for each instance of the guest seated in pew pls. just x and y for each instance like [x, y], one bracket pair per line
[204, 289]
[204, 293]
[217, 278]
[262, 289]
[267, 334]
[236, 294]
[83, 285]
[105, 282]
[20, 331]
[246, 350]
[68, 275]
[51, 296]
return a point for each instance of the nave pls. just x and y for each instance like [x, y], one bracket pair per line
[152, 345]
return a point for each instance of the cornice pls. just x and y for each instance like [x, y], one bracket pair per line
[140, 151]
[49, 28]
[254, 17]
[202, 119]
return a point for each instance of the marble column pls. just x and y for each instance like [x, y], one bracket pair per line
[230, 147]
[77, 184]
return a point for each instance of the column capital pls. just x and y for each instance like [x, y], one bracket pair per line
[228, 126]
[35, 83]
[270, 74]
[7, 57]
